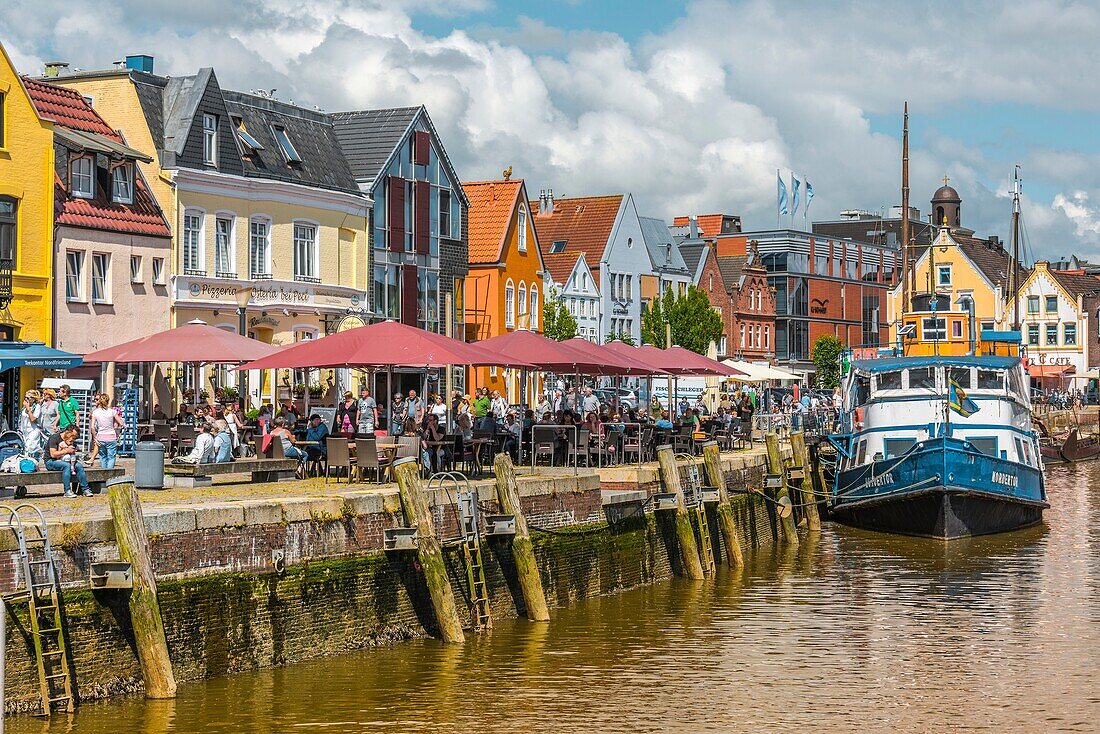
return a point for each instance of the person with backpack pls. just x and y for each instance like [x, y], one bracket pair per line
[68, 409]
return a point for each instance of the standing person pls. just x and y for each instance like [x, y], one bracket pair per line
[571, 399]
[556, 403]
[464, 421]
[68, 409]
[105, 425]
[30, 427]
[415, 407]
[499, 406]
[367, 415]
[439, 410]
[745, 411]
[398, 413]
[235, 425]
[48, 414]
[347, 415]
[61, 456]
[482, 403]
[591, 403]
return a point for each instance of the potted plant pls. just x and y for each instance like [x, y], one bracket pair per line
[228, 395]
[188, 394]
[317, 391]
[204, 395]
[299, 390]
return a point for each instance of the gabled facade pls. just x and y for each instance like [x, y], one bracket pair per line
[26, 228]
[607, 232]
[112, 245]
[1059, 314]
[752, 302]
[504, 283]
[669, 271]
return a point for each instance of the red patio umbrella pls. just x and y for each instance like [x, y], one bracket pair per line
[614, 363]
[687, 362]
[384, 344]
[193, 342]
[544, 353]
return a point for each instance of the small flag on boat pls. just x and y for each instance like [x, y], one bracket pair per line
[958, 400]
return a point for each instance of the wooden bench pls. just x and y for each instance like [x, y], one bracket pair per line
[96, 479]
[202, 475]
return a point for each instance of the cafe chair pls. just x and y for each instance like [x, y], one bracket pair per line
[339, 457]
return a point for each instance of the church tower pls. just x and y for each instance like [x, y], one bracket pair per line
[946, 204]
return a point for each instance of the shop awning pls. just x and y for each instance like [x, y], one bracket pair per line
[36, 354]
[1050, 371]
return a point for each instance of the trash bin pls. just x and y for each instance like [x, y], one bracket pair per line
[149, 465]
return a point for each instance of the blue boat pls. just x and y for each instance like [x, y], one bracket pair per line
[938, 446]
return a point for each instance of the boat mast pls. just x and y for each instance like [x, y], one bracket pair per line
[1014, 273]
[905, 288]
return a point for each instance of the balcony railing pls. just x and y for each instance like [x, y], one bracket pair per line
[194, 272]
[306, 278]
[261, 276]
[225, 274]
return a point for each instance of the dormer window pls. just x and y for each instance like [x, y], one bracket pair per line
[82, 177]
[250, 145]
[283, 140]
[122, 184]
[210, 139]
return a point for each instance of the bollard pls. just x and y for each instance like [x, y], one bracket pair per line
[712, 458]
[430, 554]
[806, 489]
[685, 536]
[775, 466]
[133, 547]
[523, 551]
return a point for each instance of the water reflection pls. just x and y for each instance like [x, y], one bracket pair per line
[849, 630]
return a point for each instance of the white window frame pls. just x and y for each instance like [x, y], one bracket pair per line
[446, 232]
[76, 279]
[157, 273]
[282, 139]
[314, 251]
[127, 180]
[521, 299]
[77, 178]
[136, 274]
[210, 124]
[264, 271]
[199, 244]
[534, 307]
[231, 244]
[509, 304]
[521, 228]
[105, 294]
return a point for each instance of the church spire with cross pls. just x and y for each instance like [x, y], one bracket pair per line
[946, 205]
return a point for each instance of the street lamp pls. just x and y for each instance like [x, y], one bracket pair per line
[244, 295]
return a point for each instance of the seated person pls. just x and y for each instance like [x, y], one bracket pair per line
[281, 434]
[663, 421]
[223, 443]
[203, 450]
[316, 432]
[513, 431]
[61, 455]
[433, 457]
[158, 414]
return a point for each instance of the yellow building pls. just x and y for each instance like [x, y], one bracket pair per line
[259, 194]
[26, 229]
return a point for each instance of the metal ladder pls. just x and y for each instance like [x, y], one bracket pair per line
[40, 588]
[693, 500]
[470, 539]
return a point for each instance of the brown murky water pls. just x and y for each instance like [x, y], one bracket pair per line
[851, 631]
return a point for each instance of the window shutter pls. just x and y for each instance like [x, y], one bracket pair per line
[410, 296]
[395, 214]
[422, 145]
[422, 216]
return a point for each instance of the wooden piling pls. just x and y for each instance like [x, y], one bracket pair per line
[727, 526]
[133, 547]
[807, 498]
[775, 466]
[414, 500]
[685, 536]
[523, 550]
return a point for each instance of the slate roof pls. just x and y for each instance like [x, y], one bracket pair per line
[993, 261]
[492, 204]
[691, 251]
[180, 101]
[311, 133]
[663, 253]
[68, 110]
[731, 267]
[1076, 283]
[369, 137]
[584, 223]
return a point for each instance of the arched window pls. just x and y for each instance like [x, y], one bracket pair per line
[521, 301]
[534, 308]
[509, 304]
[939, 215]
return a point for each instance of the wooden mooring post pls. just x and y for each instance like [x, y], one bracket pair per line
[133, 547]
[727, 526]
[807, 497]
[429, 552]
[788, 531]
[523, 550]
[685, 537]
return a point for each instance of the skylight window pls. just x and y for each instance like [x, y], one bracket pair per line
[557, 247]
[281, 138]
[249, 143]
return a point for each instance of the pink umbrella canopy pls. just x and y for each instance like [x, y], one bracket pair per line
[614, 363]
[385, 344]
[544, 353]
[686, 362]
[192, 342]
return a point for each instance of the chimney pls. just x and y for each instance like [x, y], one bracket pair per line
[546, 201]
[693, 225]
[140, 62]
[54, 68]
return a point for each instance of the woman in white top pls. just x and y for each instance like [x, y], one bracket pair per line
[105, 425]
[439, 409]
[34, 441]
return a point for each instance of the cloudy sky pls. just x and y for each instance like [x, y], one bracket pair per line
[691, 106]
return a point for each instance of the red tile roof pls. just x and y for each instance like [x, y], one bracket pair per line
[584, 223]
[709, 224]
[492, 205]
[67, 109]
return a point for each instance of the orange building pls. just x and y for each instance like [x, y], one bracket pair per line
[503, 288]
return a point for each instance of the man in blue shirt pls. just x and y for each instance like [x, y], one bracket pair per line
[318, 431]
[663, 421]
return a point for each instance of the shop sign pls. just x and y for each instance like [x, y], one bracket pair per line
[211, 291]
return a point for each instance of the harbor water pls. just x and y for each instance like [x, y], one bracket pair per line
[850, 631]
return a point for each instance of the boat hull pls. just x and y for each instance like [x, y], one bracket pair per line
[944, 488]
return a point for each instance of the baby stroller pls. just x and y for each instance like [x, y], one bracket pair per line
[11, 444]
